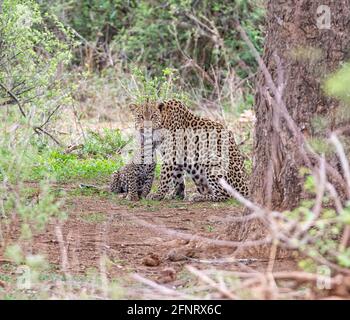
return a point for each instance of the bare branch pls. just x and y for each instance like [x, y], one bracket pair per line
[224, 291]
[15, 98]
[39, 130]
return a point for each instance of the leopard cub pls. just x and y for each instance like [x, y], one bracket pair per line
[135, 179]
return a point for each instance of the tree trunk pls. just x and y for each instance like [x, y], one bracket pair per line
[299, 53]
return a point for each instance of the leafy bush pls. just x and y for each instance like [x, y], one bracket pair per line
[159, 35]
[30, 58]
[153, 88]
[105, 145]
[70, 167]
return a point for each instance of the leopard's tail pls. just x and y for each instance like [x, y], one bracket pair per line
[92, 187]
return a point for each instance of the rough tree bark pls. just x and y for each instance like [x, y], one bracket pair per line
[297, 48]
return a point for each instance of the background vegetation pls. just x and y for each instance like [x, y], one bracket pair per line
[68, 70]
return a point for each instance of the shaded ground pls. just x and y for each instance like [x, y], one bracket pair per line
[128, 235]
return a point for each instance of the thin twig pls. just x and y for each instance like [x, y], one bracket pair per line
[224, 291]
[15, 98]
[39, 130]
[162, 289]
[50, 116]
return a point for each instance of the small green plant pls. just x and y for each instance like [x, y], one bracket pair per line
[344, 258]
[322, 229]
[70, 167]
[151, 205]
[210, 228]
[232, 202]
[106, 145]
[97, 159]
[155, 88]
[336, 86]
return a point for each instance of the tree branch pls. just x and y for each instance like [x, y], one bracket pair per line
[39, 130]
[14, 97]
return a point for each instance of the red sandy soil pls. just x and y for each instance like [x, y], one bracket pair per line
[130, 236]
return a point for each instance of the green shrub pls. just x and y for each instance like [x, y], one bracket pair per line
[30, 58]
[144, 32]
[155, 88]
[70, 167]
[105, 145]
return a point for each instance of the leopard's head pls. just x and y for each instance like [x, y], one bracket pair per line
[147, 118]
[146, 115]
[159, 115]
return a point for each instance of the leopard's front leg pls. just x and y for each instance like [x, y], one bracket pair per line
[147, 184]
[132, 194]
[178, 187]
[166, 177]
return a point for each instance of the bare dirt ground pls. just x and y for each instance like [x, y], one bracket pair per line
[128, 234]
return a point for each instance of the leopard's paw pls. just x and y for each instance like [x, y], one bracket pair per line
[132, 197]
[197, 197]
[174, 196]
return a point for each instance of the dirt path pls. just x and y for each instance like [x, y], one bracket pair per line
[100, 224]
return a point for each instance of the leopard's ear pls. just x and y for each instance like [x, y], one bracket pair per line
[133, 107]
[161, 106]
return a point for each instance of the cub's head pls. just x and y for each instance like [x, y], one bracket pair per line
[165, 115]
[147, 119]
[160, 116]
[146, 115]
